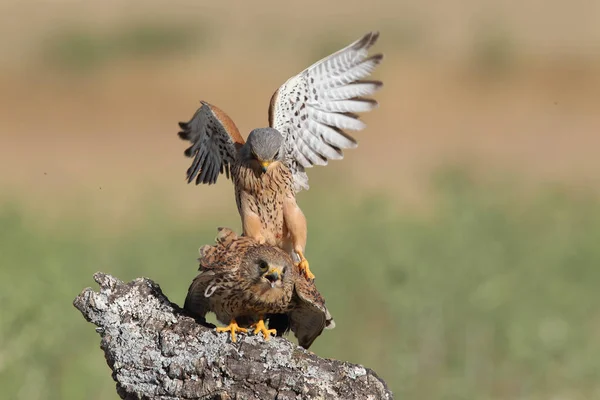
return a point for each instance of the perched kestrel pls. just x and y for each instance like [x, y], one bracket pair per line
[244, 283]
[307, 116]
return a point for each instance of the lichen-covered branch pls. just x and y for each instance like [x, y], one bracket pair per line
[157, 352]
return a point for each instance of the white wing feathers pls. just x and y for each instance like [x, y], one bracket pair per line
[313, 108]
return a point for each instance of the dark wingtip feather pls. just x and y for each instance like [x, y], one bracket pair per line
[376, 57]
[374, 38]
[373, 102]
[378, 84]
[364, 99]
[367, 40]
[184, 133]
[337, 150]
[344, 134]
[201, 176]
[351, 115]
[196, 166]
[189, 152]
[190, 174]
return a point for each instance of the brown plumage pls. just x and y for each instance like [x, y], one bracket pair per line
[307, 118]
[244, 283]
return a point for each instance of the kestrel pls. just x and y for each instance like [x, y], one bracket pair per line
[244, 283]
[307, 118]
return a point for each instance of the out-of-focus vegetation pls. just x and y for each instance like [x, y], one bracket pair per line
[490, 294]
[81, 48]
[493, 49]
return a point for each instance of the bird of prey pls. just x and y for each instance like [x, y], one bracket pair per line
[244, 283]
[307, 118]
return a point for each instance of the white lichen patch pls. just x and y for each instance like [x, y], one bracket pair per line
[356, 371]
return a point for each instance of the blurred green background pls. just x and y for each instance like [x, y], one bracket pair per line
[457, 247]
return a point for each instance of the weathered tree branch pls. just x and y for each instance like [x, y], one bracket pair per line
[157, 352]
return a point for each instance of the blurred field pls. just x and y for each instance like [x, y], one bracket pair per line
[478, 282]
[489, 297]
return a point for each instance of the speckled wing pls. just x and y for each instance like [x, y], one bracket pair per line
[218, 260]
[196, 301]
[215, 140]
[309, 316]
[313, 108]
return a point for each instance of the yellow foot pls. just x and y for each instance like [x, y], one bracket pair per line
[303, 267]
[260, 327]
[233, 328]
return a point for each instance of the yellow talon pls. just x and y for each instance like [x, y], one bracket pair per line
[232, 327]
[303, 266]
[260, 327]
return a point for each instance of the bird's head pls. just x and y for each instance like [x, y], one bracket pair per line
[268, 270]
[265, 147]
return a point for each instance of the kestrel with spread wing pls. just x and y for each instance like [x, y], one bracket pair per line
[307, 118]
[244, 283]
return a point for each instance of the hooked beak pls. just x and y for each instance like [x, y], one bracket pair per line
[264, 165]
[273, 275]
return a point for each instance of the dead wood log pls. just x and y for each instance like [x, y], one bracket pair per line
[157, 352]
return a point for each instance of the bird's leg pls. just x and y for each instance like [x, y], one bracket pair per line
[296, 225]
[260, 327]
[233, 328]
[303, 266]
[251, 223]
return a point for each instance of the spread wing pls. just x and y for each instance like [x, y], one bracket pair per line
[215, 140]
[309, 316]
[313, 108]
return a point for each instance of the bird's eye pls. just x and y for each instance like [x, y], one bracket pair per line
[276, 156]
[263, 266]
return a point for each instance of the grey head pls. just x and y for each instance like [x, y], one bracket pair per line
[265, 145]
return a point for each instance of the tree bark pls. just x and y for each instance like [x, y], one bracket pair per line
[157, 352]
